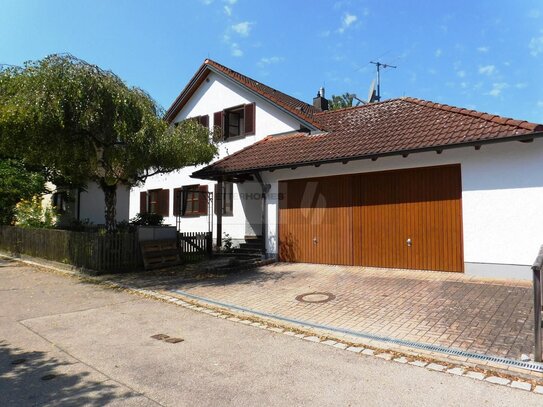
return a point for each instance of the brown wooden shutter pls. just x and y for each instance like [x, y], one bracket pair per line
[202, 199]
[164, 202]
[228, 199]
[249, 116]
[204, 121]
[218, 121]
[143, 202]
[177, 201]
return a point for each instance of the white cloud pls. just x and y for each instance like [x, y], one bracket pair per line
[270, 60]
[534, 13]
[540, 103]
[438, 52]
[231, 2]
[461, 74]
[536, 46]
[243, 28]
[487, 69]
[497, 88]
[228, 10]
[348, 20]
[207, 2]
[482, 49]
[236, 50]
[521, 85]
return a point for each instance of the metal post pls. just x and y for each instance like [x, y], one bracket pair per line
[219, 210]
[537, 314]
[536, 269]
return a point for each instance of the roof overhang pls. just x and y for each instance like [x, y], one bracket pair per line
[216, 175]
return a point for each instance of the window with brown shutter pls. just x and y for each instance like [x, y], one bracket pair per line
[164, 202]
[177, 201]
[249, 116]
[218, 122]
[227, 199]
[143, 202]
[202, 196]
[158, 201]
[204, 121]
[193, 200]
[153, 205]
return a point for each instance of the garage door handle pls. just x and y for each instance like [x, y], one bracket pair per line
[409, 243]
[315, 241]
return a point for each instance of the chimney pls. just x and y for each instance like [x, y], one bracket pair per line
[320, 102]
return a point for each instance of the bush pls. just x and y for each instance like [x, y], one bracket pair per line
[227, 243]
[31, 213]
[147, 219]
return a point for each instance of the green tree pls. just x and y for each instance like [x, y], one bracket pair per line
[342, 101]
[17, 183]
[85, 124]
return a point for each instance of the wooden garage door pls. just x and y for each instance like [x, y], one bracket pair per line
[315, 220]
[409, 219]
[367, 219]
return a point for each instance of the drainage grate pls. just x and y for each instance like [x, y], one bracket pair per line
[534, 366]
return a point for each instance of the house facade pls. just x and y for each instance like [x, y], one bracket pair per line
[403, 183]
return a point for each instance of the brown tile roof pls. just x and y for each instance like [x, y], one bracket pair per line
[390, 127]
[299, 109]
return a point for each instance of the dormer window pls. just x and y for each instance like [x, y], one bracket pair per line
[237, 121]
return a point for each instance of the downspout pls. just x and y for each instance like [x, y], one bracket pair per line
[265, 189]
[218, 200]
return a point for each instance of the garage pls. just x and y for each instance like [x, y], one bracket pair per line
[409, 219]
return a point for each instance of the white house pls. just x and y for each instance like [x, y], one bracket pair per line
[403, 183]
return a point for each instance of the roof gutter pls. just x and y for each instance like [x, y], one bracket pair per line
[521, 137]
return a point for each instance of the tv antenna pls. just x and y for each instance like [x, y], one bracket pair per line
[380, 65]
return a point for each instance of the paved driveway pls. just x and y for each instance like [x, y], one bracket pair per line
[492, 317]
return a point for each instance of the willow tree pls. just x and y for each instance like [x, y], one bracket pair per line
[84, 124]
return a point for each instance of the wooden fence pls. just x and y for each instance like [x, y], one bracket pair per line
[90, 250]
[195, 245]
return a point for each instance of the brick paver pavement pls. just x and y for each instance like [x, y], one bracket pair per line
[492, 317]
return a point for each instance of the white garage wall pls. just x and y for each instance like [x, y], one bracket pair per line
[502, 199]
[215, 95]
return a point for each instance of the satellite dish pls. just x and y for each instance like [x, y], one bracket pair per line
[371, 94]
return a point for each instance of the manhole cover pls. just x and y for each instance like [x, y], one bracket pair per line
[316, 297]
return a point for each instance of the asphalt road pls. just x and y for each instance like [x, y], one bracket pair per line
[65, 342]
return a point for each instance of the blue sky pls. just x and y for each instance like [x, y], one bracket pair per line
[484, 55]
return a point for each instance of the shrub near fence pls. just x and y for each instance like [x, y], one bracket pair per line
[90, 250]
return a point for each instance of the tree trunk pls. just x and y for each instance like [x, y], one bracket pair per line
[110, 200]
